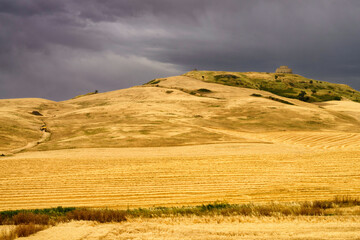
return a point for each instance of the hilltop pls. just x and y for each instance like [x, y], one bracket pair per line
[183, 110]
[282, 84]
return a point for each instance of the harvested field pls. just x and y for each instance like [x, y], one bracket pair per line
[319, 140]
[188, 175]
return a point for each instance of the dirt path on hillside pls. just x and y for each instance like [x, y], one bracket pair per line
[44, 137]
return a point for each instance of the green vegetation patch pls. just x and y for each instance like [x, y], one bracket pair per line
[285, 85]
[225, 76]
[280, 100]
[272, 98]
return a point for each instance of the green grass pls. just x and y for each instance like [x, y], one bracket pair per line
[286, 85]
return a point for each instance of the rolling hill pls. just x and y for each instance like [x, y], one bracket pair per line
[187, 110]
[286, 85]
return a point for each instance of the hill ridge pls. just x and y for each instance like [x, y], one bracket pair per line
[174, 111]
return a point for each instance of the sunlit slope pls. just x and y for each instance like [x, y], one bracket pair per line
[176, 111]
[184, 111]
[17, 125]
[286, 85]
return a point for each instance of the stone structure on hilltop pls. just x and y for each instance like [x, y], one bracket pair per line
[283, 69]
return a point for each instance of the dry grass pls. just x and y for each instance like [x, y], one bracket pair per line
[56, 215]
[31, 221]
[27, 230]
[214, 228]
[149, 116]
[17, 125]
[51, 216]
[22, 230]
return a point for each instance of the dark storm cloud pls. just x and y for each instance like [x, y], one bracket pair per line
[28, 8]
[57, 49]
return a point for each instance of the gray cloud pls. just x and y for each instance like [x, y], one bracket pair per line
[57, 49]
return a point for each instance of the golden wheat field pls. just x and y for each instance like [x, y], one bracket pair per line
[187, 175]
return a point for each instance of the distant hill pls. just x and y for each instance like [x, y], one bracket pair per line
[282, 84]
[187, 110]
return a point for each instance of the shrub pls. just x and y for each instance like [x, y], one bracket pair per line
[36, 216]
[30, 218]
[256, 95]
[101, 216]
[302, 96]
[36, 113]
[204, 90]
[280, 100]
[327, 97]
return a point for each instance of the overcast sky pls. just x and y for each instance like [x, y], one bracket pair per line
[57, 49]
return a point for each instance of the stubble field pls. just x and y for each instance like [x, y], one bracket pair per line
[187, 175]
[170, 176]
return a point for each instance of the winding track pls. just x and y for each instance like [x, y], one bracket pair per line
[44, 137]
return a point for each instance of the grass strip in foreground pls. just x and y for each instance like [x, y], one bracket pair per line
[30, 221]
